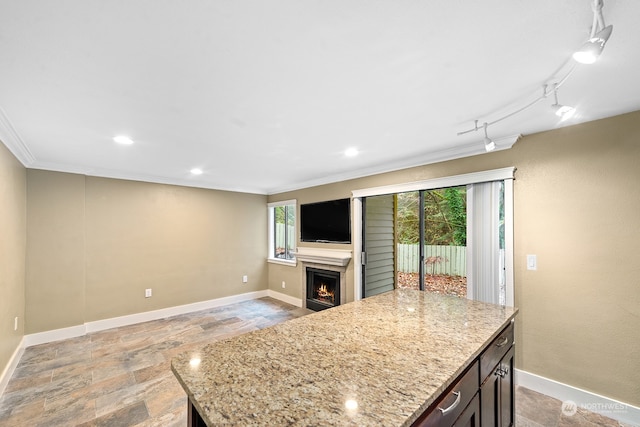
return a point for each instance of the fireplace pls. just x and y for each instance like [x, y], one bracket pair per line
[331, 265]
[323, 289]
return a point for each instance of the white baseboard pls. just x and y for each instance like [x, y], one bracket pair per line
[605, 406]
[54, 335]
[285, 298]
[115, 322]
[11, 367]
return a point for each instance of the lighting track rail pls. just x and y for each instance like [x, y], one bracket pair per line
[587, 54]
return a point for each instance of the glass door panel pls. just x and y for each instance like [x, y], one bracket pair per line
[445, 241]
[409, 258]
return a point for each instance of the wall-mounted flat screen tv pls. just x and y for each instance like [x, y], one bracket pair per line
[326, 222]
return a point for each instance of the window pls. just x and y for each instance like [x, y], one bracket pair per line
[282, 235]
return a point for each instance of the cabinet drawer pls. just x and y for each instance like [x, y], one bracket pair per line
[495, 351]
[453, 402]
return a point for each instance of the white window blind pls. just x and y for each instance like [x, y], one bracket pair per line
[485, 266]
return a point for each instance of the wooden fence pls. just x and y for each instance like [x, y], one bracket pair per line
[449, 260]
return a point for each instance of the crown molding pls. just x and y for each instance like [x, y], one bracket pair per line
[453, 153]
[140, 177]
[11, 139]
[9, 136]
[458, 152]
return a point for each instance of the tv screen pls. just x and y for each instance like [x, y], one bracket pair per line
[326, 222]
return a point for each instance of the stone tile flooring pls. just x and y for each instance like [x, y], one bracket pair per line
[538, 410]
[122, 377]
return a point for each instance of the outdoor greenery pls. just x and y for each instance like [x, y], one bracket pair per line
[445, 217]
[284, 239]
[281, 212]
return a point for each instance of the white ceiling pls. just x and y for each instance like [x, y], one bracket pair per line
[265, 95]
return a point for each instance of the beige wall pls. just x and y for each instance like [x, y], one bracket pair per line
[96, 244]
[577, 207]
[13, 222]
[55, 251]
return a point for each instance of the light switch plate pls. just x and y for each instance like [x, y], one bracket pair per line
[532, 262]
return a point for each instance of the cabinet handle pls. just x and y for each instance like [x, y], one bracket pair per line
[453, 405]
[505, 371]
[504, 342]
[502, 372]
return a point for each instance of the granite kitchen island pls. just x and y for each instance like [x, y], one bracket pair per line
[386, 360]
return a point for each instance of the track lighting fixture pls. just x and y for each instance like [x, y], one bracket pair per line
[591, 50]
[565, 112]
[588, 54]
[489, 145]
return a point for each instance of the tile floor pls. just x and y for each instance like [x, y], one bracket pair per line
[122, 376]
[537, 410]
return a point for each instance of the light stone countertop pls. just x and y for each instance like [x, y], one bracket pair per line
[377, 362]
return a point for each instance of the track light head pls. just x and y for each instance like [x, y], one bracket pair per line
[591, 50]
[565, 112]
[489, 145]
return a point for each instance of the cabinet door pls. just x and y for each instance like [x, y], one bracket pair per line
[507, 391]
[490, 399]
[497, 394]
[470, 417]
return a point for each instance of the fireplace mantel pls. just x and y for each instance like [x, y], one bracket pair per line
[339, 257]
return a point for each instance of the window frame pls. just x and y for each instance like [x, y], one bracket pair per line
[291, 204]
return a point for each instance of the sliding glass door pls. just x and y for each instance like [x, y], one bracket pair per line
[454, 240]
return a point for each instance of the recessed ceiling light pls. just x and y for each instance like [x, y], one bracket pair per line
[124, 140]
[196, 171]
[351, 152]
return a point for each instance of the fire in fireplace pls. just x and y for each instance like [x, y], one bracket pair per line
[323, 289]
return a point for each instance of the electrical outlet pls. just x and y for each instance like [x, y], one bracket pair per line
[147, 293]
[245, 279]
[15, 323]
[284, 285]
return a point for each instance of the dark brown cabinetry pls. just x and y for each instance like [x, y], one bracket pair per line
[193, 417]
[470, 417]
[483, 395]
[497, 385]
[497, 394]
[453, 402]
